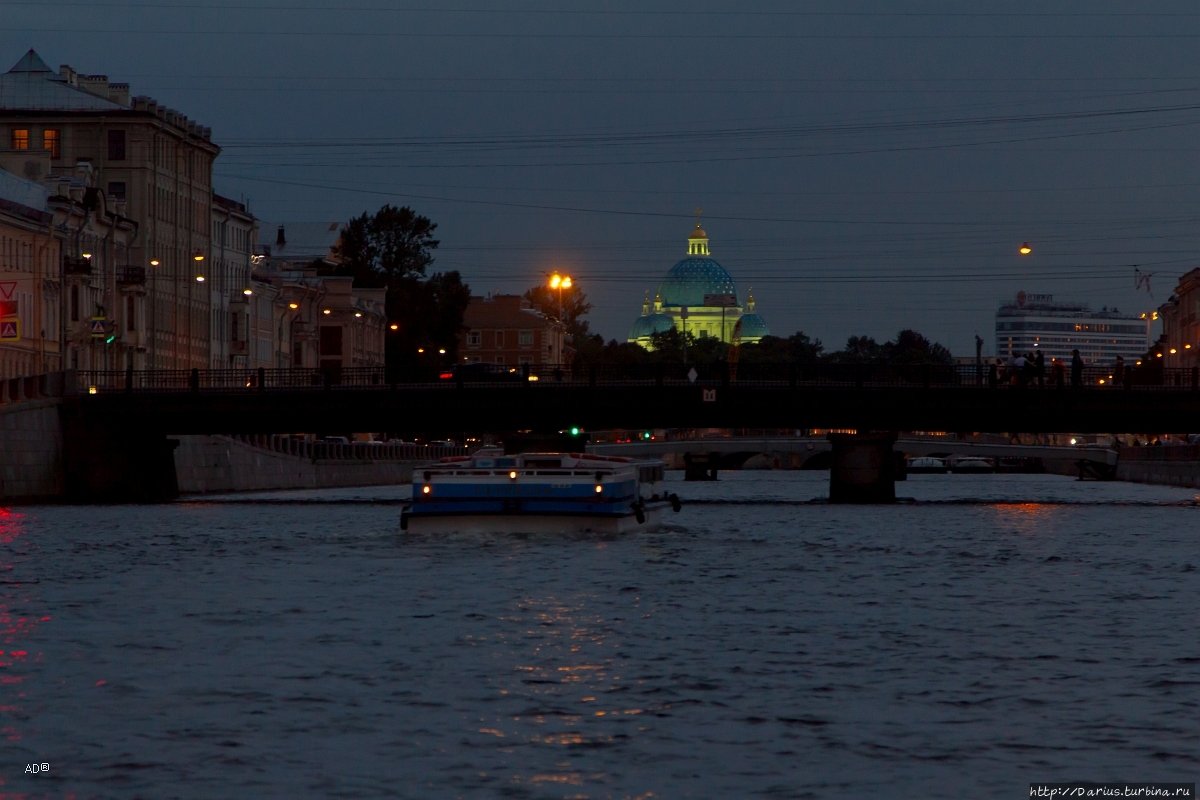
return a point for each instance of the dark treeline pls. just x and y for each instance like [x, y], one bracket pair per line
[909, 347]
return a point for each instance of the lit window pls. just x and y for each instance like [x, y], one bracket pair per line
[20, 139]
[52, 141]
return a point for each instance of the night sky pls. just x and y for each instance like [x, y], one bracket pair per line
[863, 166]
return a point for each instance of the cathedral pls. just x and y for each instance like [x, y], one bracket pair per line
[698, 296]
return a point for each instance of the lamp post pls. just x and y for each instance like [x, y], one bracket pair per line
[560, 282]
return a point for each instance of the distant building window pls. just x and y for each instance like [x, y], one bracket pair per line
[499, 359]
[499, 342]
[52, 141]
[116, 190]
[474, 339]
[525, 360]
[525, 338]
[20, 139]
[116, 145]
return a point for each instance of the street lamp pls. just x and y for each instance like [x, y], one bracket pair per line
[1025, 249]
[560, 282]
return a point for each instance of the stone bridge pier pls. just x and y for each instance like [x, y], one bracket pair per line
[865, 468]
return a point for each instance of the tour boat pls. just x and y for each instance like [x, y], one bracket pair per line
[967, 465]
[537, 493]
[927, 465]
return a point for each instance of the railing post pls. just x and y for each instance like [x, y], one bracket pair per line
[128, 380]
[194, 380]
[525, 373]
[262, 379]
[592, 375]
[1196, 379]
[928, 373]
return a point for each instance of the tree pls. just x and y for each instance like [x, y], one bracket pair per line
[392, 249]
[574, 307]
[911, 347]
[858, 350]
[391, 244]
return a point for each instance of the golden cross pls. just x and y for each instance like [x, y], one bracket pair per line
[699, 211]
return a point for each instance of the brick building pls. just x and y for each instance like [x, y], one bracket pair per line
[506, 329]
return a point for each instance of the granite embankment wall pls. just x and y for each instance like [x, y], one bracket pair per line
[206, 464]
[31, 447]
[1170, 465]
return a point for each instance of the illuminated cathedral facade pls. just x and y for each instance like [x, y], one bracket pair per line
[699, 297]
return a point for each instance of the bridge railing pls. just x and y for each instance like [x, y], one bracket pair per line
[819, 375]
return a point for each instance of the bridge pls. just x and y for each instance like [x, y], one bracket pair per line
[116, 424]
[814, 452]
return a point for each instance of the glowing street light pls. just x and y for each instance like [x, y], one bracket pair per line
[1025, 249]
[198, 256]
[154, 262]
[293, 306]
[247, 292]
[560, 282]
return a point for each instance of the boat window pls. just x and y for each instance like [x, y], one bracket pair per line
[554, 472]
[506, 462]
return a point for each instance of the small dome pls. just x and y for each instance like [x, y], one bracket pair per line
[753, 327]
[649, 325]
[698, 233]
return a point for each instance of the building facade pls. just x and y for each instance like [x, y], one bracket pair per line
[234, 240]
[1180, 340]
[153, 160]
[1033, 322]
[698, 297]
[68, 298]
[505, 329]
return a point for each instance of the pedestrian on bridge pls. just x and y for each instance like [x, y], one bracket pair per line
[1119, 372]
[1076, 370]
[1039, 361]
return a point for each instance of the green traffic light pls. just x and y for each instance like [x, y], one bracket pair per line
[574, 431]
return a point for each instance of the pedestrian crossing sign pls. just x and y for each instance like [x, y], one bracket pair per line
[10, 330]
[98, 327]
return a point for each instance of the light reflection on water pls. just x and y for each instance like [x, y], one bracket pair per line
[1000, 630]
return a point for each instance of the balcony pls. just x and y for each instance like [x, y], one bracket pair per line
[77, 266]
[237, 347]
[131, 275]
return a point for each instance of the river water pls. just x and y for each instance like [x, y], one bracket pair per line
[996, 631]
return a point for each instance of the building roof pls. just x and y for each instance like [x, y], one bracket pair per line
[301, 240]
[31, 86]
[16, 189]
[503, 311]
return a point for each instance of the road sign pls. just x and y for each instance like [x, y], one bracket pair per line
[97, 326]
[10, 330]
[709, 395]
[6, 289]
[720, 300]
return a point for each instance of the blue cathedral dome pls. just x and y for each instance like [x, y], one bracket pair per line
[691, 279]
[650, 325]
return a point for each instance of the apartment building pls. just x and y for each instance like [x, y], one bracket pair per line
[153, 160]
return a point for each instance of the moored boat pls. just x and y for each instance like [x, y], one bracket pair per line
[537, 493]
[971, 465]
[927, 465]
